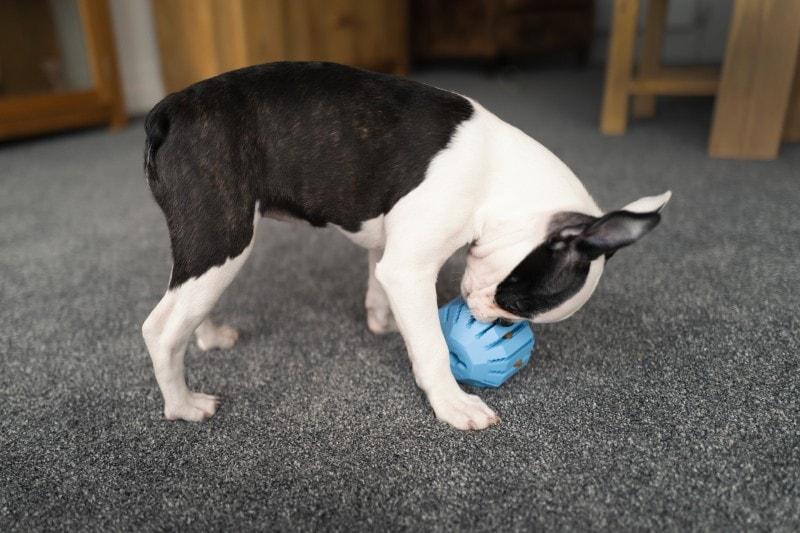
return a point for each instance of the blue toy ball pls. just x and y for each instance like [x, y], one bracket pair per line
[481, 354]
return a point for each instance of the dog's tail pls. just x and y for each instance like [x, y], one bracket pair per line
[156, 128]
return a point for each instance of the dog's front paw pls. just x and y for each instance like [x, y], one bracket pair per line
[462, 410]
[194, 407]
[222, 337]
[380, 320]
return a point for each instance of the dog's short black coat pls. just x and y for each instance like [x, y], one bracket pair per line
[322, 142]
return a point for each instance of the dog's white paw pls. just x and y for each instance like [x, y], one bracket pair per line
[462, 410]
[380, 320]
[194, 407]
[222, 337]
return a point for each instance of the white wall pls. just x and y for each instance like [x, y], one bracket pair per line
[74, 71]
[137, 54]
[695, 34]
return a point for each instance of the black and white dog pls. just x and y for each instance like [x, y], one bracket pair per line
[408, 171]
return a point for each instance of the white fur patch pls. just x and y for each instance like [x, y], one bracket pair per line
[527, 184]
[649, 204]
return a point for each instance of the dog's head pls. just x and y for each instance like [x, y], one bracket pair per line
[565, 259]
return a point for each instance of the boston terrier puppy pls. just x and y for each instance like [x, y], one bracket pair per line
[410, 172]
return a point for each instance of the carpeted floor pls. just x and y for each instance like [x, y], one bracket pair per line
[672, 400]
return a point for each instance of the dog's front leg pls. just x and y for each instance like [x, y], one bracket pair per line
[411, 289]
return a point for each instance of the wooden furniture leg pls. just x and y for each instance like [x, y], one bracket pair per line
[103, 58]
[757, 76]
[619, 67]
[791, 128]
[645, 105]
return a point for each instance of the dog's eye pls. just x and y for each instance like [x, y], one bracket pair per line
[513, 279]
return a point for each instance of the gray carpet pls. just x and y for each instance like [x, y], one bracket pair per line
[670, 401]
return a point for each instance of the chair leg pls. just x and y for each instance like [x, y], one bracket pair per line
[791, 128]
[645, 105]
[619, 68]
[756, 82]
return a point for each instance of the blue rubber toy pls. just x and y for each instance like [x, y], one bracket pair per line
[481, 354]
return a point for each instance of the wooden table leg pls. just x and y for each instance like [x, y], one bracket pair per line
[99, 34]
[650, 63]
[757, 76]
[619, 68]
[791, 128]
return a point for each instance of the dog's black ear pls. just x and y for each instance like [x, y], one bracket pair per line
[560, 238]
[594, 236]
[615, 230]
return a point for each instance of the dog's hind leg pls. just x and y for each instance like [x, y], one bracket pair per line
[210, 336]
[170, 326]
[178, 315]
[379, 314]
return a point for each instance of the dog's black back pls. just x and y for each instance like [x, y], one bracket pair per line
[319, 141]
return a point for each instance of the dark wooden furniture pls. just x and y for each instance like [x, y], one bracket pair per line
[493, 29]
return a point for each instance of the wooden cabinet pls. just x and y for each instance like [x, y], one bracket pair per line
[201, 38]
[490, 29]
[58, 67]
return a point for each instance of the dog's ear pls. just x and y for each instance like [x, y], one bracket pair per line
[613, 231]
[649, 204]
[566, 227]
[594, 236]
[621, 228]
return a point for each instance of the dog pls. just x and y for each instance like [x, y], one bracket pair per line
[410, 172]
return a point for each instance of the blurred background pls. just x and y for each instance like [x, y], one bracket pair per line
[74, 63]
